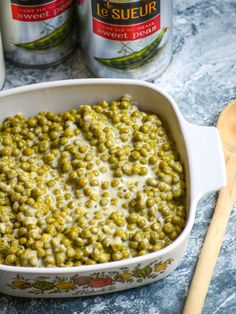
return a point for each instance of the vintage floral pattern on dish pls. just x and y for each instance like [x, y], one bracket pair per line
[92, 283]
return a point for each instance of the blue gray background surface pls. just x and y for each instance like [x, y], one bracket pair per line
[202, 79]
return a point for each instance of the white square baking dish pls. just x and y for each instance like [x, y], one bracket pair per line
[200, 150]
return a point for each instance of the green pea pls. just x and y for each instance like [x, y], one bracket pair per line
[168, 228]
[144, 128]
[32, 122]
[7, 141]
[135, 155]
[10, 259]
[143, 171]
[6, 151]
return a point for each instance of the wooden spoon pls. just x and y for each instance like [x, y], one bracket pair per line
[215, 234]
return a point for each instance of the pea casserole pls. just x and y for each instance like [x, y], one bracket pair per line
[91, 185]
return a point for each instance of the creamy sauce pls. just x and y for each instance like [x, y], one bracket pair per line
[70, 204]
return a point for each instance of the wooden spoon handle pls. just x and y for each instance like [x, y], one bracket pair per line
[212, 244]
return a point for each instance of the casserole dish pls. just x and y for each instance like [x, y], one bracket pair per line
[200, 150]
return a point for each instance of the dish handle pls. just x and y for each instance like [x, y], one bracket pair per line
[206, 160]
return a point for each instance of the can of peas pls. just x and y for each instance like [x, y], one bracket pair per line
[37, 33]
[126, 39]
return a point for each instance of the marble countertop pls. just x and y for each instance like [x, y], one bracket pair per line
[202, 79]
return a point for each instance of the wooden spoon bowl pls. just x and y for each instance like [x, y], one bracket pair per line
[227, 126]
